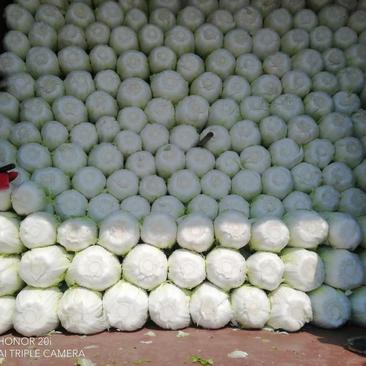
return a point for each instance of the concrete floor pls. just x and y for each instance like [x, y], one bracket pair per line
[155, 347]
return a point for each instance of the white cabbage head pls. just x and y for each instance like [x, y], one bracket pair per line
[119, 232]
[186, 269]
[203, 204]
[38, 230]
[9, 234]
[331, 307]
[307, 228]
[94, 268]
[290, 309]
[234, 202]
[344, 230]
[169, 307]
[195, 232]
[232, 229]
[304, 270]
[159, 229]
[7, 309]
[226, 268]
[251, 307]
[358, 306]
[269, 234]
[210, 307]
[5, 200]
[44, 267]
[126, 306]
[137, 206]
[10, 281]
[36, 311]
[297, 200]
[145, 266]
[81, 311]
[27, 198]
[265, 270]
[266, 205]
[77, 233]
[169, 205]
[343, 269]
[102, 206]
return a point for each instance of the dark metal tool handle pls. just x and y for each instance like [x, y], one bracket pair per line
[205, 139]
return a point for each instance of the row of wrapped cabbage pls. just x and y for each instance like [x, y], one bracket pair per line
[120, 231]
[333, 126]
[270, 90]
[81, 25]
[126, 307]
[37, 312]
[307, 157]
[98, 267]
[194, 182]
[71, 158]
[227, 267]
[341, 58]
[190, 30]
[307, 62]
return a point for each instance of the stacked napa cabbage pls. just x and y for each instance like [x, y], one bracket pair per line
[189, 162]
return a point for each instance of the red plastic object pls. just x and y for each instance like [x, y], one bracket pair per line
[6, 176]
